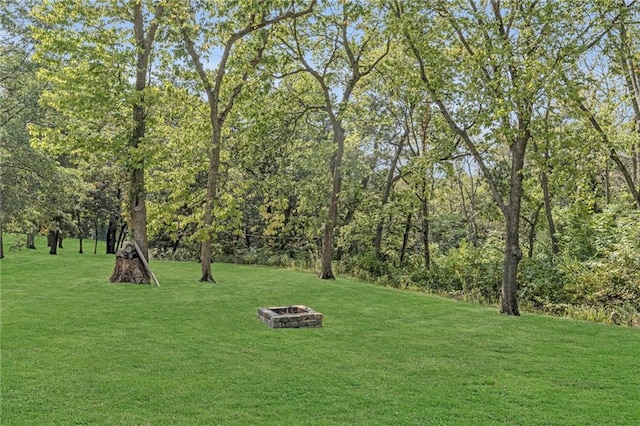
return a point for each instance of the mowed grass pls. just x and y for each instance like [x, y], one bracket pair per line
[77, 349]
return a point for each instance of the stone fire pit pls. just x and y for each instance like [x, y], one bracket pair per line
[294, 316]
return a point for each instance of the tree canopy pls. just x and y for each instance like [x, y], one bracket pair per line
[483, 149]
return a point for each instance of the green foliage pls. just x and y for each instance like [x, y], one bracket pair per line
[594, 278]
[464, 272]
[471, 273]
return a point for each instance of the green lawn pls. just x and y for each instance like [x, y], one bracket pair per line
[79, 350]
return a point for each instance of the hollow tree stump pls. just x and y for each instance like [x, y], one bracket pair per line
[129, 267]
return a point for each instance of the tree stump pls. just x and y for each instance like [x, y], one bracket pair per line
[129, 267]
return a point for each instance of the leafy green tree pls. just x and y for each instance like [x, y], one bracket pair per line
[97, 58]
[486, 66]
[339, 46]
[27, 177]
[226, 25]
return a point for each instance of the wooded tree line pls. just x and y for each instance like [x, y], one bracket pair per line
[481, 148]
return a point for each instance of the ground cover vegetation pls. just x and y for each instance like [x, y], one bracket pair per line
[482, 149]
[78, 349]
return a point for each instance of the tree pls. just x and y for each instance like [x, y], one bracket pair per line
[27, 177]
[98, 57]
[339, 47]
[486, 66]
[229, 25]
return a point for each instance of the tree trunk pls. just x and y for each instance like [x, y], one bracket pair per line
[80, 233]
[512, 251]
[129, 271]
[176, 243]
[138, 209]
[473, 226]
[95, 241]
[31, 240]
[405, 239]
[326, 271]
[217, 115]
[137, 200]
[635, 155]
[112, 231]
[607, 184]
[627, 176]
[1, 241]
[60, 238]
[121, 236]
[53, 242]
[544, 182]
[212, 196]
[512, 256]
[630, 69]
[425, 231]
[546, 193]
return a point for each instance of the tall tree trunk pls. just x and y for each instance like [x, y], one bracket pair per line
[326, 270]
[177, 241]
[335, 110]
[1, 240]
[607, 184]
[112, 233]
[212, 196]
[424, 205]
[137, 196]
[53, 241]
[377, 239]
[632, 81]
[80, 233]
[95, 242]
[512, 251]
[519, 94]
[635, 157]
[473, 226]
[512, 256]
[544, 182]
[405, 239]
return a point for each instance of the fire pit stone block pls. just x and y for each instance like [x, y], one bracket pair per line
[294, 316]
